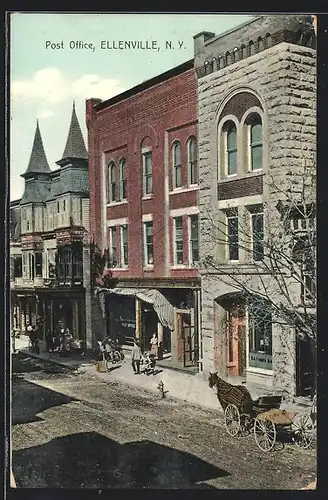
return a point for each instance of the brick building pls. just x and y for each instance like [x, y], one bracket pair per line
[144, 212]
[49, 251]
[257, 122]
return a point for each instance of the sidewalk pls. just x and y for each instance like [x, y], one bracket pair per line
[187, 387]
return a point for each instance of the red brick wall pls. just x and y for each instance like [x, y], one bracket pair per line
[247, 186]
[121, 129]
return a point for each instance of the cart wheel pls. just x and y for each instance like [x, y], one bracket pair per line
[232, 419]
[303, 430]
[246, 424]
[265, 434]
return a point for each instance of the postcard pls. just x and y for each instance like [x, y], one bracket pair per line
[162, 251]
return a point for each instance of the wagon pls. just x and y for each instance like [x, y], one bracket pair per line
[262, 416]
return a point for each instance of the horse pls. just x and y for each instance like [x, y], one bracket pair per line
[227, 393]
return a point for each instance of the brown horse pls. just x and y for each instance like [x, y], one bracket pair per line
[227, 394]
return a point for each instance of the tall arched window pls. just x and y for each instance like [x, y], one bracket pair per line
[111, 182]
[176, 158]
[255, 143]
[231, 149]
[192, 161]
[122, 179]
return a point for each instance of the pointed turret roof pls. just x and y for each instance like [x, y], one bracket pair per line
[38, 161]
[75, 147]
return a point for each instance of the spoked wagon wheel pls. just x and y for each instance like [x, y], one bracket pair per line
[303, 430]
[265, 433]
[232, 419]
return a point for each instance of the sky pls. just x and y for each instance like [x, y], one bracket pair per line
[48, 70]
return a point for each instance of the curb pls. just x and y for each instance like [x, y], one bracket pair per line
[50, 360]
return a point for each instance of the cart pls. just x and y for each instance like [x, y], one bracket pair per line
[262, 416]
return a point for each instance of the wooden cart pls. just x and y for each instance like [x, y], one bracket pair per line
[262, 416]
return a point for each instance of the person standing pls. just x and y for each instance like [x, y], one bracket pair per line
[136, 357]
[154, 345]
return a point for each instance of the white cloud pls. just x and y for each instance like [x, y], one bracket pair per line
[47, 113]
[49, 87]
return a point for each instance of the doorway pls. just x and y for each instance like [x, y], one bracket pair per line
[305, 367]
[236, 340]
[187, 343]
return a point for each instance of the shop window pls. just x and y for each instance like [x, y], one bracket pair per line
[178, 241]
[148, 244]
[176, 167]
[77, 263]
[260, 336]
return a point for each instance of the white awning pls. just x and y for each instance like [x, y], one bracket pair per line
[162, 306]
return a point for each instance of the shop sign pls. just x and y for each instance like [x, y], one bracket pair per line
[260, 360]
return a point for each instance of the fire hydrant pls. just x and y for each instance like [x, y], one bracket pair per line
[160, 387]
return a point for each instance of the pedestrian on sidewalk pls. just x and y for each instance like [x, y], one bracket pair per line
[154, 345]
[136, 357]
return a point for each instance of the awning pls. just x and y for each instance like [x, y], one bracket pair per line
[163, 308]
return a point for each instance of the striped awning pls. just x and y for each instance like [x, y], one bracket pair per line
[163, 308]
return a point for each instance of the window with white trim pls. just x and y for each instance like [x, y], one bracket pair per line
[232, 236]
[178, 240]
[147, 173]
[192, 161]
[122, 178]
[111, 194]
[112, 247]
[26, 265]
[176, 165]
[124, 246]
[148, 243]
[231, 148]
[193, 239]
[257, 236]
[255, 145]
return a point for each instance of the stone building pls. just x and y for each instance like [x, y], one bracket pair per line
[49, 252]
[256, 135]
[144, 212]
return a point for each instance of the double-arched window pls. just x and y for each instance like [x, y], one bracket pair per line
[116, 190]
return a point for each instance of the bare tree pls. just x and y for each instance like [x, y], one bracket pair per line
[278, 242]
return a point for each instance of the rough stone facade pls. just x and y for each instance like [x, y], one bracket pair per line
[282, 78]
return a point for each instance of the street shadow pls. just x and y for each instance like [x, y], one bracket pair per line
[90, 460]
[29, 399]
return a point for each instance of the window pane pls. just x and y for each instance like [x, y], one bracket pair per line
[257, 236]
[176, 154]
[260, 338]
[256, 133]
[147, 163]
[192, 144]
[232, 162]
[232, 137]
[256, 152]
[233, 253]
[177, 176]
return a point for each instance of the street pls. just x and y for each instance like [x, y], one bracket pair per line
[77, 431]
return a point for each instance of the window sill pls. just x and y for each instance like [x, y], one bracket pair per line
[192, 187]
[125, 268]
[147, 197]
[180, 266]
[149, 268]
[243, 175]
[260, 371]
[115, 203]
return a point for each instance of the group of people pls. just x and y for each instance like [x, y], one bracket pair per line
[149, 359]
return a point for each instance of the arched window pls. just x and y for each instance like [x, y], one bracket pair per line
[111, 182]
[176, 158]
[122, 179]
[192, 161]
[231, 148]
[255, 143]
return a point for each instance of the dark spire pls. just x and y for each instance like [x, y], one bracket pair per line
[38, 161]
[75, 147]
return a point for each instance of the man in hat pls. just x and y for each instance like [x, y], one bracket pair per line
[136, 357]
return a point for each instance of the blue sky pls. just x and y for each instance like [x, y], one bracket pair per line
[45, 81]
